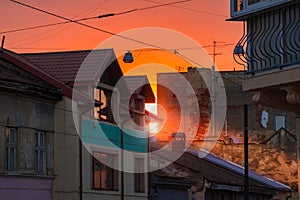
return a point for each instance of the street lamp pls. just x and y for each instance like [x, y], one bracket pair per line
[238, 50]
[128, 58]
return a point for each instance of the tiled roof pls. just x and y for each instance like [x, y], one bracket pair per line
[65, 65]
[23, 63]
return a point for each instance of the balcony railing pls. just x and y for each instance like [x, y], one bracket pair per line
[246, 7]
[272, 40]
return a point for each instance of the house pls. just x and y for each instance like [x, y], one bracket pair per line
[269, 48]
[202, 175]
[104, 114]
[264, 123]
[27, 129]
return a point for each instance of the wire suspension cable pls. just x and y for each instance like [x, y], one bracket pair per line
[88, 18]
[108, 32]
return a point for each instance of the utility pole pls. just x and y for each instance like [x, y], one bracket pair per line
[214, 52]
[213, 101]
[246, 165]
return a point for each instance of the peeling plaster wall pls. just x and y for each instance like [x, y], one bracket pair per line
[28, 115]
[271, 160]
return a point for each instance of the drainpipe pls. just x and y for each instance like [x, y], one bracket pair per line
[298, 149]
[80, 153]
[246, 171]
[80, 157]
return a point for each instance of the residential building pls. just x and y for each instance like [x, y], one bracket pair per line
[27, 132]
[268, 144]
[270, 49]
[201, 175]
[105, 113]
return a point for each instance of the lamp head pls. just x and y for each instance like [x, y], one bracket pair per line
[128, 58]
[238, 50]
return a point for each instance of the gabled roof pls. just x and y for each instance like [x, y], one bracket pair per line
[15, 80]
[29, 67]
[278, 132]
[140, 85]
[65, 66]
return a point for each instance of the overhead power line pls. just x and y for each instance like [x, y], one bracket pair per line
[89, 18]
[191, 9]
[108, 32]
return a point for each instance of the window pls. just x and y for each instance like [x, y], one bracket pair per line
[39, 152]
[279, 122]
[238, 5]
[103, 112]
[139, 178]
[105, 177]
[11, 137]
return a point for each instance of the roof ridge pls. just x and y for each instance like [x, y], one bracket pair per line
[61, 52]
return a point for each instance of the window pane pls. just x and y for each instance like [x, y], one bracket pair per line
[41, 162]
[96, 174]
[7, 159]
[36, 160]
[12, 158]
[279, 122]
[105, 177]
[42, 137]
[12, 136]
[116, 180]
[139, 178]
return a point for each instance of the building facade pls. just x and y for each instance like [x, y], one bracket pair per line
[27, 131]
[269, 48]
[104, 114]
[63, 127]
[271, 130]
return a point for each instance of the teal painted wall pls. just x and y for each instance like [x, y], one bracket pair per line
[109, 135]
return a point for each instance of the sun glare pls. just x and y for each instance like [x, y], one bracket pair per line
[152, 107]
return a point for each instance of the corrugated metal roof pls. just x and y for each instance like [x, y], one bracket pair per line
[237, 169]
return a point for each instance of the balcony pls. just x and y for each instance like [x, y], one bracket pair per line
[271, 40]
[242, 8]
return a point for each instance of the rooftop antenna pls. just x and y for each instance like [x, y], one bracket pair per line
[214, 52]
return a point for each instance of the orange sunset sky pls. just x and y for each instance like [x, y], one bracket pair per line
[203, 21]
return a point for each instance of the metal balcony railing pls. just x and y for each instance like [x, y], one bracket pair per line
[272, 40]
[244, 7]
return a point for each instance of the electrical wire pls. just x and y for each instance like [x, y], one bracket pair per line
[87, 18]
[48, 33]
[191, 9]
[109, 32]
[46, 25]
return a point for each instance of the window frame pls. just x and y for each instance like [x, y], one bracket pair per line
[111, 173]
[39, 152]
[275, 121]
[11, 148]
[139, 178]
